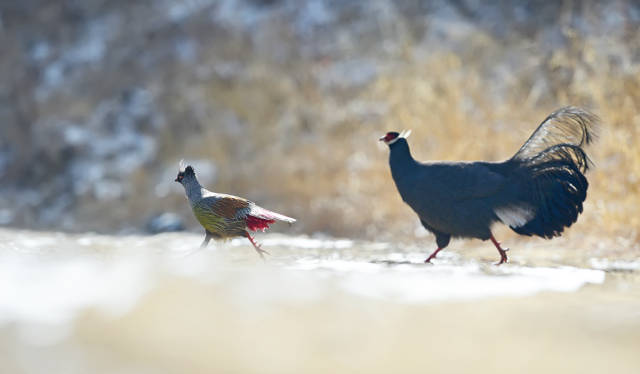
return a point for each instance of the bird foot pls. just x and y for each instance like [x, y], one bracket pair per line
[261, 251]
[503, 256]
[258, 247]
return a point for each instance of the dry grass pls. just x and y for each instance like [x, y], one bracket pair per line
[285, 128]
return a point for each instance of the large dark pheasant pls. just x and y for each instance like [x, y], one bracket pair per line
[225, 216]
[539, 191]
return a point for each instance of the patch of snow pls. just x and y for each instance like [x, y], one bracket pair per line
[187, 50]
[238, 14]
[76, 135]
[78, 283]
[108, 190]
[177, 11]
[40, 51]
[52, 77]
[6, 216]
[49, 278]
[117, 140]
[304, 242]
[418, 283]
[89, 49]
[615, 265]
[312, 14]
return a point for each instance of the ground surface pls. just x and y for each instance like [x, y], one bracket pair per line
[136, 304]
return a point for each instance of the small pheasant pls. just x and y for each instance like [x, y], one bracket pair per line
[226, 216]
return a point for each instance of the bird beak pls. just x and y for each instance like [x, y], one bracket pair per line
[382, 138]
[176, 180]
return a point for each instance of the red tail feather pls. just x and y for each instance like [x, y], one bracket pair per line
[255, 223]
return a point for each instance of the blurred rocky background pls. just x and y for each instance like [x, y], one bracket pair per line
[282, 101]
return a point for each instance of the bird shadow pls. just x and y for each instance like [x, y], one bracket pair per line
[391, 263]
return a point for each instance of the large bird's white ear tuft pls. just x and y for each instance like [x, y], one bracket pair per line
[182, 165]
[405, 134]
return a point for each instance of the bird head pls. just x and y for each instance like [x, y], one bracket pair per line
[393, 136]
[184, 172]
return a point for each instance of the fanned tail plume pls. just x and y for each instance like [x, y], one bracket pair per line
[551, 164]
[569, 126]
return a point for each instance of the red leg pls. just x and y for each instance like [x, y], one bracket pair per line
[256, 245]
[503, 252]
[432, 256]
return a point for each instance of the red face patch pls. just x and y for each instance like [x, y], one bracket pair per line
[389, 136]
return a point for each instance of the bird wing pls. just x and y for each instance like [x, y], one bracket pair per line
[227, 206]
[234, 207]
[454, 198]
[455, 182]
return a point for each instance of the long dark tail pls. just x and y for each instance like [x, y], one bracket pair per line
[549, 169]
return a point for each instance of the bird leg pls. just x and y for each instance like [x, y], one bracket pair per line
[503, 252]
[432, 256]
[257, 246]
[207, 238]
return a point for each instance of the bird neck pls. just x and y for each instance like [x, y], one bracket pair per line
[193, 188]
[400, 158]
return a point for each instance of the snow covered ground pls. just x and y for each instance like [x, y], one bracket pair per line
[137, 298]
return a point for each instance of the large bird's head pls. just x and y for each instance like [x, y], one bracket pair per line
[185, 173]
[393, 136]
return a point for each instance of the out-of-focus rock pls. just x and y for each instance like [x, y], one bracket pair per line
[165, 222]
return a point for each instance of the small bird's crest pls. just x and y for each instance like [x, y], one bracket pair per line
[185, 170]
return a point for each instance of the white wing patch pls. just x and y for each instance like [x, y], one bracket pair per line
[515, 215]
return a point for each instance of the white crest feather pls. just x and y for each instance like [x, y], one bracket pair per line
[182, 165]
